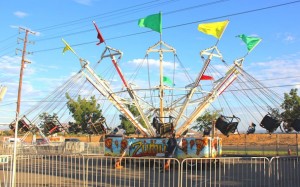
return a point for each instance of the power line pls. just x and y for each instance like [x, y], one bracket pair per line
[235, 14]
[130, 9]
[170, 27]
[134, 20]
[115, 12]
[13, 36]
[279, 86]
[111, 13]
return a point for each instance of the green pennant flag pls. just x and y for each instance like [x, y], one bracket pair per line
[152, 22]
[167, 80]
[251, 42]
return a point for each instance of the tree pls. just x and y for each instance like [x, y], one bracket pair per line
[126, 124]
[82, 111]
[291, 107]
[205, 122]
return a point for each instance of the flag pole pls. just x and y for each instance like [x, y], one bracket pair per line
[246, 54]
[161, 87]
[210, 56]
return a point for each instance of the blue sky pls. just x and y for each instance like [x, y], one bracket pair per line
[276, 60]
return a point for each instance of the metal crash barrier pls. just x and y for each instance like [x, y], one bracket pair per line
[91, 170]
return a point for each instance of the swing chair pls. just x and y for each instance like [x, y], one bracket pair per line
[296, 125]
[163, 128]
[98, 126]
[52, 125]
[227, 126]
[206, 131]
[23, 126]
[270, 123]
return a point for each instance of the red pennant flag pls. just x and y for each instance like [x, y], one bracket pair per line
[99, 36]
[206, 77]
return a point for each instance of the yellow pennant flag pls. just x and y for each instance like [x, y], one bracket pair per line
[68, 47]
[216, 28]
[3, 90]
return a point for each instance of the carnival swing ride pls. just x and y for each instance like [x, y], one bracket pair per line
[166, 101]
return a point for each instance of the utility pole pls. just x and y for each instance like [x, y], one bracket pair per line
[23, 61]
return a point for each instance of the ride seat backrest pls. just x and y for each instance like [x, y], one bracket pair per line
[155, 123]
[98, 128]
[165, 128]
[232, 127]
[269, 123]
[206, 131]
[296, 125]
[221, 125]
[52, 128]
[23, 126]
[12, 126]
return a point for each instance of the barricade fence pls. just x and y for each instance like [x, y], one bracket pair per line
[284, 171]
[5, 165]
[92, 170]
[235, 171]
[92, 148]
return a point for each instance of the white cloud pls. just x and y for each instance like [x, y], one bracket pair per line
[84, 2]
[289, 38]
[154, 63]
[14, 26]
[10, 71]
[279, 68]
[10, 65]
[286, 37]
[20, 14]
[282, 72]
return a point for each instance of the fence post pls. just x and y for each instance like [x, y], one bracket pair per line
[277, 145]
[245, 144]
[297, 143]
[13, 179]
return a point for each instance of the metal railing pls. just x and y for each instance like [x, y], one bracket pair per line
[235, 171]
[284, 171]
[91, 170]
[5, 169]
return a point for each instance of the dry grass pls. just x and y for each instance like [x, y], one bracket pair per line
[233, 139]
[261, 139]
